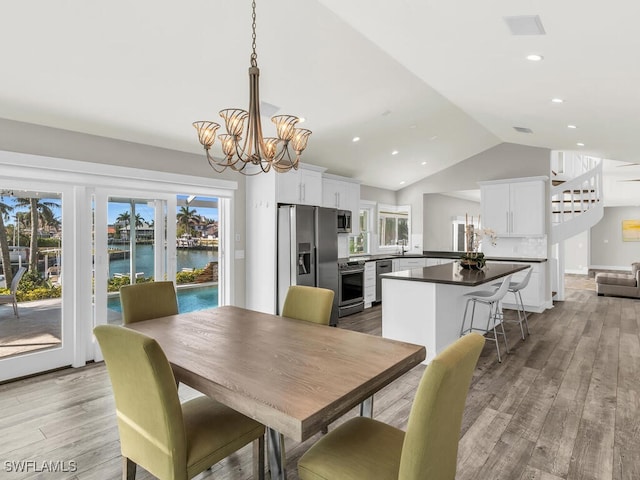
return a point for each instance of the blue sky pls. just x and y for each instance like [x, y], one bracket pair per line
[146, 212]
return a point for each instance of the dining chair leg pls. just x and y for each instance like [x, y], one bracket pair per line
[128, 469]
[277, 458]
[258, 458]
[366, 407]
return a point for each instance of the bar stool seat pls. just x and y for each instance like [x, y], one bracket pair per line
[492, 299]
[516, 288]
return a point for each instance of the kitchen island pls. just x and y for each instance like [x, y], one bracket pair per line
[425, 305]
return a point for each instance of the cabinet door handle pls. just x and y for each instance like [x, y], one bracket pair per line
[508, 226]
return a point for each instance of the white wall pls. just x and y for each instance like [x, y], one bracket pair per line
[438, 214]
[607, 248]
[576, 254]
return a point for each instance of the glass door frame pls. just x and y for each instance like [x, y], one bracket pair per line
[66, 354]
[162, 202]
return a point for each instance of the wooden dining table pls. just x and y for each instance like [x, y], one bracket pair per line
[295, 377]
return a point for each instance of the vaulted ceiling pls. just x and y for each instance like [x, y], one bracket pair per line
[435, 81]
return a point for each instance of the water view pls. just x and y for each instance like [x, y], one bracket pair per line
[185, 258]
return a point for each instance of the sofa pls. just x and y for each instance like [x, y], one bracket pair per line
[620, 284]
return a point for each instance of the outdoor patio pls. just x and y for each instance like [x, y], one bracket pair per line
[38, 328]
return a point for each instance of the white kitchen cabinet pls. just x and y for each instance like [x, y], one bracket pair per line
[514, 208]
[430, 262]
[369, 283]
[411, 263]
[343, 194]
[302, 186]
[533, 296]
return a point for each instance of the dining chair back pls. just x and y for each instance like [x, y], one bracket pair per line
[144, 301]
[312, 304]
[366, 448]
[430, 445]
[169, 440]
[12, 297]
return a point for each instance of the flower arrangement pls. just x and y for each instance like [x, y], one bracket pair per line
[472, 258]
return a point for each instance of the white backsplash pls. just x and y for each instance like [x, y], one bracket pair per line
[533, 247]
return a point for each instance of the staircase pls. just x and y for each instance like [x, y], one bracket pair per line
[576, 194]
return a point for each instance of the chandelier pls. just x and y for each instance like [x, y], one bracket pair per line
[244, 145]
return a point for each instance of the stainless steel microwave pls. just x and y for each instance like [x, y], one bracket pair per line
[344, 221]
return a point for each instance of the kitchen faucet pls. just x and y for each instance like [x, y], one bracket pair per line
[402, 243]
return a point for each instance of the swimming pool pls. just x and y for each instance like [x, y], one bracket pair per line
[189, 299]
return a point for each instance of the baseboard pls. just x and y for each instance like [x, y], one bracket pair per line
[579, 271]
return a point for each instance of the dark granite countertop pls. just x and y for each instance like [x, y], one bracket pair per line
[453, 274]
[439, 254]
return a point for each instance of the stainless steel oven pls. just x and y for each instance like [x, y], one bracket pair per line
[351, 287]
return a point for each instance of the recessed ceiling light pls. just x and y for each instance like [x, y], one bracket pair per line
[402, 182]
[534, 57]
[355, 139]
[580, 144]
[571, 126]
[557, 100]
[423, 163]
[302, 120]
[395, 152]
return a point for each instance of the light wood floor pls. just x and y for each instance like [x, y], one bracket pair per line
[565, 404]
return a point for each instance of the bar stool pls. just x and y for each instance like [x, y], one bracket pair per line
[515, 288]
[492, 299]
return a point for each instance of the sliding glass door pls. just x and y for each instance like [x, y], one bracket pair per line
[35, 326]
[131, 236]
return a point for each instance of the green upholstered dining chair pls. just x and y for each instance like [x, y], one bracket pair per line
[144, 301]
[170, 440]
[366, 448]
[312, 304]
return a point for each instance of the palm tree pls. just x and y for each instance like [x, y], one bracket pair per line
[187, 218]
[5, 209]
[37, 209]
[139, 220]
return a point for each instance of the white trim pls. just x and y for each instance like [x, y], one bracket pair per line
[542, 178]
[95, 174]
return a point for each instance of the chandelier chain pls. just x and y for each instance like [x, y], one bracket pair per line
[254, 55]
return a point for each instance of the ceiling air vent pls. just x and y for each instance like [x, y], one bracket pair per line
[525, 25]
[523, 129]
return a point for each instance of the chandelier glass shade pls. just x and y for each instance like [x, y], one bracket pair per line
[243, 143]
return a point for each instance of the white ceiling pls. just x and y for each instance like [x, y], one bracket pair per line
[438, 81]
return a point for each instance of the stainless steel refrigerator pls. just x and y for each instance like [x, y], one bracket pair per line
[308, 250]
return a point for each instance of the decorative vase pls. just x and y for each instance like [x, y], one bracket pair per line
[472, 260]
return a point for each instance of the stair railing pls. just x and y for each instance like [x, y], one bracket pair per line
[579, 194]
